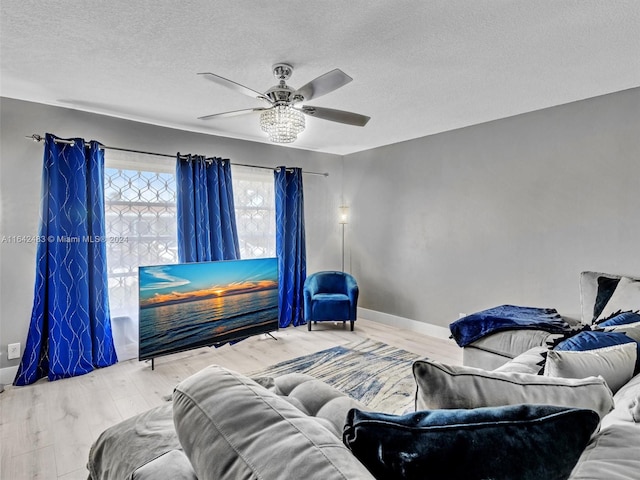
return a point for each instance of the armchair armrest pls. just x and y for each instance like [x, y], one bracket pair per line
[352, 291]
[309, 290]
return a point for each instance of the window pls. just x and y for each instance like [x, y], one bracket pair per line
[140, 210]
[254, 199]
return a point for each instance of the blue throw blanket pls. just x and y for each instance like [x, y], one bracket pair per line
[506, 317]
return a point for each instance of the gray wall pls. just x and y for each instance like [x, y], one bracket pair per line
[504, 212]
[20, 176]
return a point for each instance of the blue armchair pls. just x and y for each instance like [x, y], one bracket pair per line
[330, 296]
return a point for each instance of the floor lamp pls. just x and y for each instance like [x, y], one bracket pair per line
[344, 219]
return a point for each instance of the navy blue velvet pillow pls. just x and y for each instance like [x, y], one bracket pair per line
[623, 318]
[524, 442]
[590, 340]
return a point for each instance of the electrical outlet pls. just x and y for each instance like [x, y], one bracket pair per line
[14, 351]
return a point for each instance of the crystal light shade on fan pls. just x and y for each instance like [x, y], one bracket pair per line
[282, 123]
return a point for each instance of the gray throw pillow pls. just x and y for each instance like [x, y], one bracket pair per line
[530, 361]
[626, 297]
[447, 386]
[631, 330]
[615, 364]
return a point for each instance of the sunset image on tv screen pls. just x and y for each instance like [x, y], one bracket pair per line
[202, 304]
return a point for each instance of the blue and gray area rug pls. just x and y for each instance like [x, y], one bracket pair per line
[378, 375]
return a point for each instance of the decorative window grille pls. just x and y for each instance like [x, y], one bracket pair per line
[141, 225]
[254, 198]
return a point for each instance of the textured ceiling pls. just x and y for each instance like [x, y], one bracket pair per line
[419, 67]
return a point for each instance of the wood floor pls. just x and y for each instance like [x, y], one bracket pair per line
[47, 428]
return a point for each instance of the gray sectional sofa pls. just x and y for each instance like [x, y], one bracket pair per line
[223, 425]
[496, 349]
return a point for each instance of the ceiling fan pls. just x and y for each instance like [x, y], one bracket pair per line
[283, 119]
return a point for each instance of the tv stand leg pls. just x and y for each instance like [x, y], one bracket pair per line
[271, 336]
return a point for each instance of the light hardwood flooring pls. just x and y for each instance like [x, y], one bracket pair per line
[48, 427]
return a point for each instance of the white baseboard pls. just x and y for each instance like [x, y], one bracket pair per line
[7, 375]
[406, 323]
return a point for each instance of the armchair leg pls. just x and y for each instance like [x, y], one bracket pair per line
[352, 322]
[309, 325]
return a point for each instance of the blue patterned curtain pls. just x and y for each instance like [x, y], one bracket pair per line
[206, 213]
[290, 245]
[70, 331]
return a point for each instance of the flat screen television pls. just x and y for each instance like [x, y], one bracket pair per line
[192, 305]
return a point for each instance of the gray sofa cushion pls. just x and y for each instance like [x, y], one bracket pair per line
[627, 401]
[133, 443]
[313, 397]
[611, 455]
[230, 427]
[494, 350]
[509, 343]
[447, 386]
[174, 465]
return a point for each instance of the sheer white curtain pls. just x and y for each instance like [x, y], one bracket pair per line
[254, 197]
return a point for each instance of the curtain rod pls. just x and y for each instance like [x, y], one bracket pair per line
[39, 138]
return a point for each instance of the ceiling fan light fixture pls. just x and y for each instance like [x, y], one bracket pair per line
[282, 123]
[280, 120]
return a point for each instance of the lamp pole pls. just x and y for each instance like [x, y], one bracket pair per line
[343, 247]
[344, 219]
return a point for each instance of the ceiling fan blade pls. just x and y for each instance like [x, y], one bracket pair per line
[225, 82]
[324, 84]
[234, 113]
[339, 116]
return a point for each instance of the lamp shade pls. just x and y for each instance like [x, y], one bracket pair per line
[343, 217]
